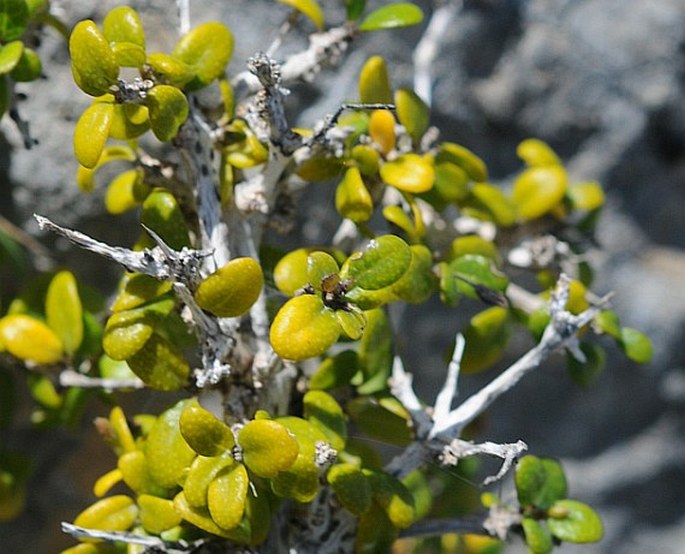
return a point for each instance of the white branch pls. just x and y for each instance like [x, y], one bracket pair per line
[401, 387]
[71, 378]
[130, 538]
[443, 402]
[561, 332]
[509, 453]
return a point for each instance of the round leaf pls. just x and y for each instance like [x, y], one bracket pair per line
[464, 158]
[162, 214]
[168, 110]
[304, 328]
[268, 448]
[486, 339]
[28, 68]
[207, 49]
[157, 514]
[538, 538]
[382, 130]
[64, 312]
[232, 289]
[91, 132]
[166, 451]
[14, 16]
[539, 189]
[488, 202]
[383, 261]
[352, 198]
[93, 62]
[636, 345]
[351, 487]
[540, 482]
[171, 70]
[412, 112]
[28, 339]
[122, 24]
[160, 364]
[336, 371]
[586, 196]
[374, 83]
[322, 410]
[200, 475]
[10, 54]
[418, 282]
[574, 521]
[125, 192]
[116, 513]
[203, 432]
[227, 495]
[402, 14]
[536, 153]
[409, 173]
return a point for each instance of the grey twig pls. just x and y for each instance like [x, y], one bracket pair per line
[71, 378]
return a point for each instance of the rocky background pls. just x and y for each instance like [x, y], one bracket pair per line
[602, 81]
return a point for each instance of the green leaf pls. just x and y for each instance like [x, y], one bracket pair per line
[336, 372]
[607, 321]
[352, 198]
[383, 261]
[354, 9]
[324, 412]
[14, 16]
[539, 189]
[451, 182]
[540, 482]
[5, 98]
[128, 54]
[374, 82]
[486, 339]
[163, 215]
[64, 312]
[232, 289]
[477, 270]
[352, 321]
[321, 268]
[538, 537]
[91, 132]
[574, 521]
[351, 487]
[489, 203]
[207, 49]
[168, 110]
[10, 54]
[171, 70]
[310, 8]
[382, 421]
[393, 497]
[419, 281]
[585, 373]
[122, 24]
[93, 62]
[412, 112]
[409, 173]
[636, 345]
[28, 68]
[160, 364]
[376, 353]
[472, 244]
[402, 14]
[464, 158]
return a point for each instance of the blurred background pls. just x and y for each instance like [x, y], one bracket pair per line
[602, 81]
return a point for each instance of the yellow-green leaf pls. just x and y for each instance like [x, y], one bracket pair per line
[310, 8]
[374, 82]
[486, 339]
[125, 192]
[157, 514]
[227, 495]
[28, 68]
[115, 513]
[304, 328]
[168, 108]
[207, 48]
[464, 158]
[536, 153]
[91, 132]
[199, 476]
[268, 447]
[28, 339]
[412, 112]
[402, 14]
[64, 312]
[382, 130]
[352, 198]
[587, 195]
[93, 62]
[409, 173]
[538, 190]
[122, 24]
[232, 289]
[160, 364]
[171, 70]
[636, 345]
[10, 54]
[204, 433]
